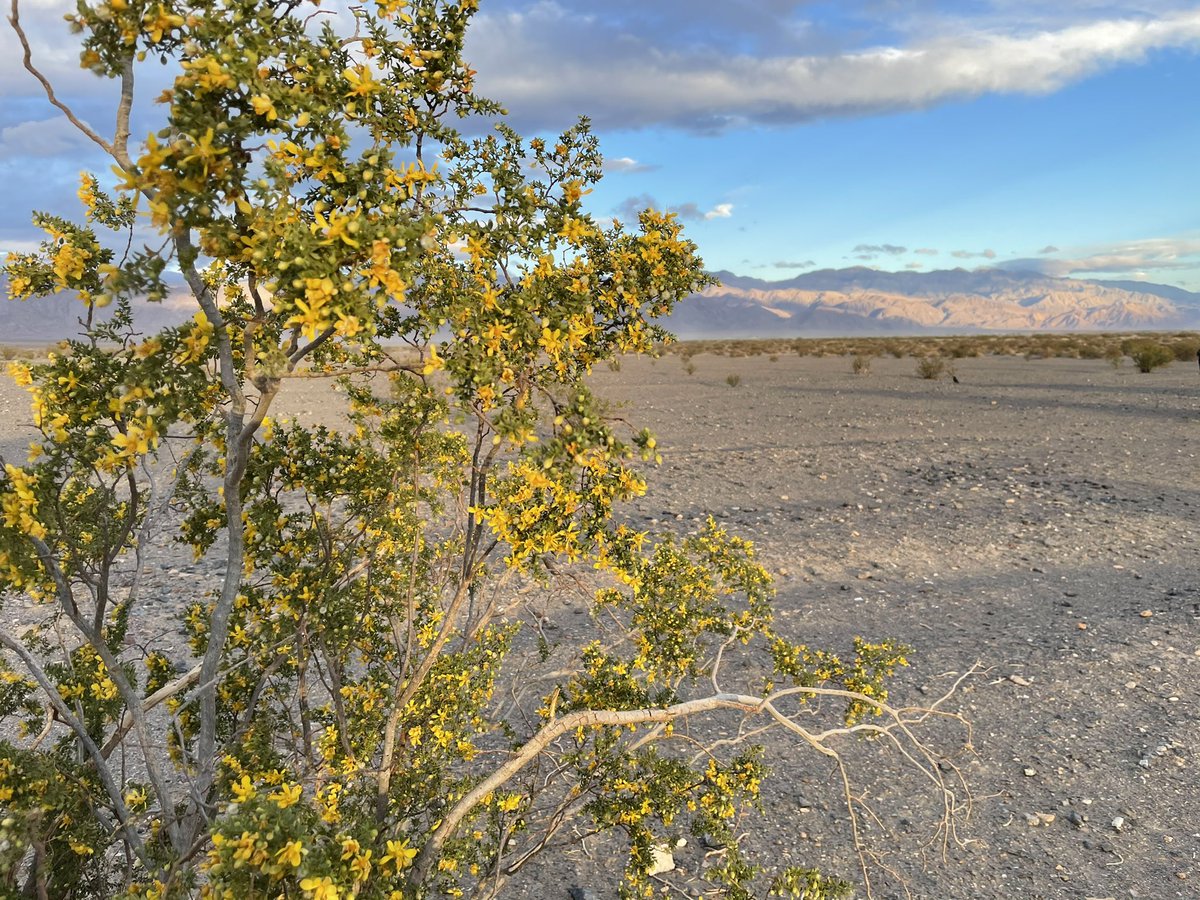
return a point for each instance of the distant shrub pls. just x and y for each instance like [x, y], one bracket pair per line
[689, 367]
[1114, 356]
[733, 380]
[1185, 351]
[861, 364]
[1150, 355]
[931, 367]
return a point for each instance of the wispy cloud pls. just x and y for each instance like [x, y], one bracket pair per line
[690, 211]
[41, 138]
[626, 165]
[1133, 258]
[973, 254]
[875, 249]
[926, 251]
[783, 264]
[603, 65]
[1049, 248]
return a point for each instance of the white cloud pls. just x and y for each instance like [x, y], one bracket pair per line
[41, 138]
[624, 80]
[626, 165]
[1140, 257]
[720, 211]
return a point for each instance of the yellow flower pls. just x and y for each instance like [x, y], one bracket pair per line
[264, 107]
[243, 790]
[290, 854]
[399, 854]
[69, 262]
[287, 795]
[361, 867]
[320, 888]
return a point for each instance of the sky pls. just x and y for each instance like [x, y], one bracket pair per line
[792, 135]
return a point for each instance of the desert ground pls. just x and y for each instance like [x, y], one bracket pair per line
[1039, 520]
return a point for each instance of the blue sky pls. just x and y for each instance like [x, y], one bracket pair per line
[793, 135]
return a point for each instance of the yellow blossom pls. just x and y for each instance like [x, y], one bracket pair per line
[290, 855]
[320, 888]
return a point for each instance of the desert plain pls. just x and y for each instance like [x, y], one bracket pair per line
[1036, 525]
[1039, 519]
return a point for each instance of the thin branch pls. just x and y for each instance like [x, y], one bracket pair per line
[102, 770]
[164, 693]
[14, 19]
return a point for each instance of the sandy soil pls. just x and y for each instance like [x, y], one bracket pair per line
[1039, 518]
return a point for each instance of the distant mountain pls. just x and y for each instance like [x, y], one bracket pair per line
[829, 302]
[46, 319]
[862, 301]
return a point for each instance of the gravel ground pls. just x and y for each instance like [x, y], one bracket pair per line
[1038, 518]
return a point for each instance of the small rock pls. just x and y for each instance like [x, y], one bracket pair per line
[1033, 820]
[1029, 773]
[661, 861]
[1076, 819]
[1017, 679]
[1118, 823]
[1146, 613]
[578, 893]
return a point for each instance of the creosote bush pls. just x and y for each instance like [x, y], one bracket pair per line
[931, 367]
[353, 714]
[1150, 355]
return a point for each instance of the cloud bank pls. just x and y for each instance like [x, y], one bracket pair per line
[548, 62]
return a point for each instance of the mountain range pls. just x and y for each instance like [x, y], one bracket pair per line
[824, 303]
[863, 301]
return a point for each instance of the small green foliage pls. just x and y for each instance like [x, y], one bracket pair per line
[931, 367]
[1150, 355]
[733, 380]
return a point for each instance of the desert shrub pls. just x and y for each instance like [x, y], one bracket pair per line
[861, 364]
[1114, 356]
[733, 380]
[329, 729]
[689, 367]
[931, 367]
[1185, 350]
[1150, 355]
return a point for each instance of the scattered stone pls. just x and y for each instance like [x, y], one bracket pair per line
[661, 860]
[1017, 679]
[578, 893]
[1146, 613]
[1076, 819]
[1118, 823]
[1029, 772]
